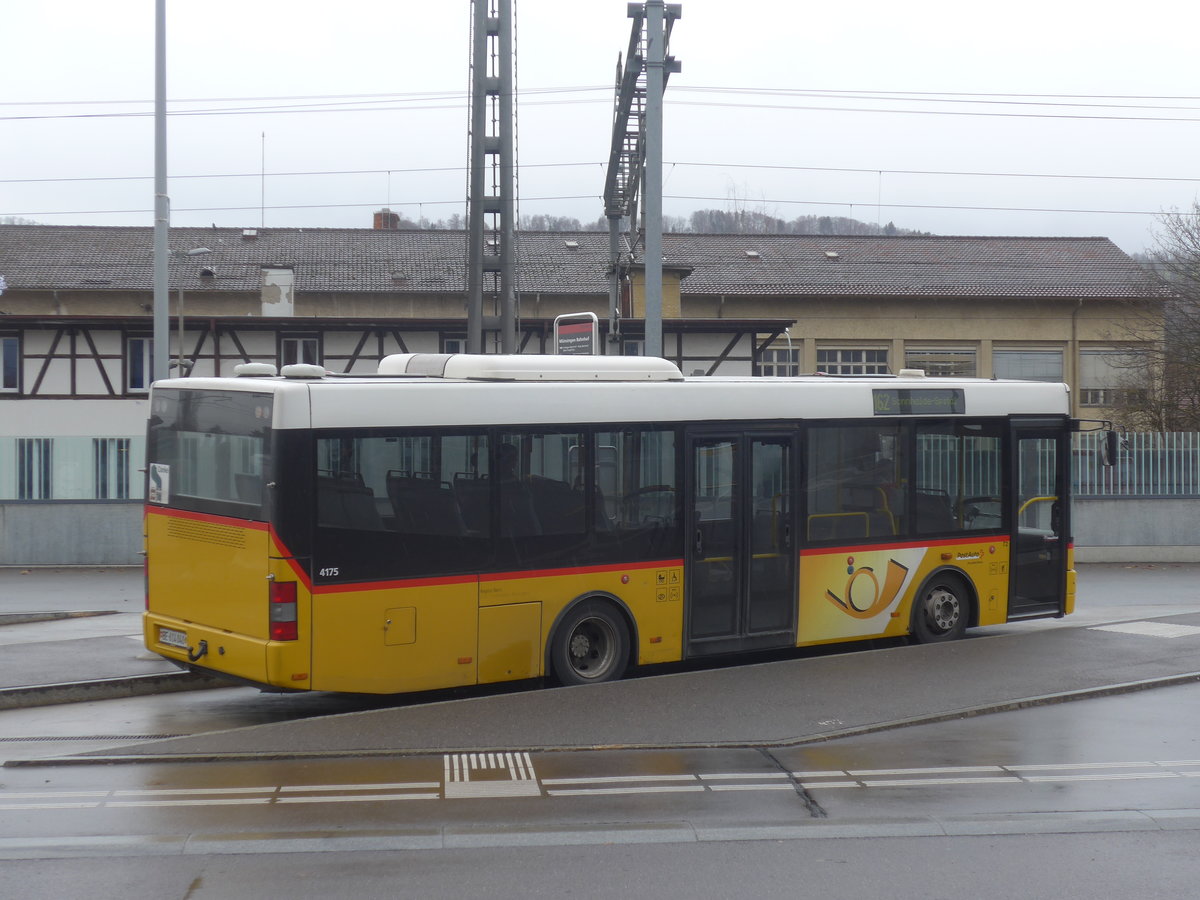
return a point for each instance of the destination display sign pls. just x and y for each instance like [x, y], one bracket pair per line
[919, 402]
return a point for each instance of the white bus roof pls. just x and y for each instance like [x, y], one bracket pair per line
[650, 391]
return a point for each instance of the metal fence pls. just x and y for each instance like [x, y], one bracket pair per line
[1147, 465]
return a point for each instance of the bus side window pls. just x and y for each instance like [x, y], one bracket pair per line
[856, 482]
[959, 476]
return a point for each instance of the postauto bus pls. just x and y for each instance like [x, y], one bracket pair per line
[457, 520]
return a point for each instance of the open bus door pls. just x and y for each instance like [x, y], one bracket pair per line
[1040, 516]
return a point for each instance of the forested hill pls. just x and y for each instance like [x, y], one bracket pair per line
[704, 221]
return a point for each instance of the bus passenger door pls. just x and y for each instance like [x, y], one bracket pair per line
[741, 563]
[1040, 520]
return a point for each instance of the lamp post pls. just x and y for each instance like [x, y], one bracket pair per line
[185, 254]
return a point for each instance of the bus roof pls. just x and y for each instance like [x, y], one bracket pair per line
[482, 391]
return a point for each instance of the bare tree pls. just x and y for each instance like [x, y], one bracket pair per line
[1169, 396]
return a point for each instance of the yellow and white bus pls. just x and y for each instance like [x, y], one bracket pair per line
[457, 520]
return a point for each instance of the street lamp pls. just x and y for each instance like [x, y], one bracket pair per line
[185, 254]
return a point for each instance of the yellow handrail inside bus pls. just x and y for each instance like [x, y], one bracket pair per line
[1032, 500]
[842, 515]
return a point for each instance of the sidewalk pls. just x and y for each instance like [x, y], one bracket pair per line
[68, 635]
[87, 657]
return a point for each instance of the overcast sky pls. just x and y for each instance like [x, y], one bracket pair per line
[874, 89]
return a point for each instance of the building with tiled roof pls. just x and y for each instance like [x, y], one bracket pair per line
[75, 323]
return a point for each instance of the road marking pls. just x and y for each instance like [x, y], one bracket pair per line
[479, 775]
[15, 807]
[1115, 776]
[160, 792]
[232, 801]
[1053, 767]
[934, 782]
[646, 789]
[395, 786]
[358, 798]
[32, 795]
[947, 770]
[499, 775]
[623, 779]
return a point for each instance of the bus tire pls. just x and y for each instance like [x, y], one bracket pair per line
[941, 609]
[590, 645]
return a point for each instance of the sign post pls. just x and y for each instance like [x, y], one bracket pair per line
[577, 333]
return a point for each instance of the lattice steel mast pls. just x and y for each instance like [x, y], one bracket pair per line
[491, 206]
[635, 157]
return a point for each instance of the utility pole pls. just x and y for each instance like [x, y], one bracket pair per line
[160, 359]
[491, 207]
[635, 158]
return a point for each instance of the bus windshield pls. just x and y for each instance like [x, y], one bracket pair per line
[209, 451]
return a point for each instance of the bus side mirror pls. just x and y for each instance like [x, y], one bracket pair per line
[1109, 448]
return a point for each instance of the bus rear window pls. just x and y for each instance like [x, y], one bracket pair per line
[209, 451]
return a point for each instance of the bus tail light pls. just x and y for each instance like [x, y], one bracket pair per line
[283, 611]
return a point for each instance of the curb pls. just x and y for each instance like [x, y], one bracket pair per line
[106, 689]
[33, 617]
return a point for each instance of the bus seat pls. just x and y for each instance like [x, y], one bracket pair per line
[518, 518]
[423, 506]
[934, 513]
[558, 507]
[474, 503]
[346, 503]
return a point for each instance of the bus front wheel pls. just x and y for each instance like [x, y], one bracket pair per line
[941, 610]
[591, 645]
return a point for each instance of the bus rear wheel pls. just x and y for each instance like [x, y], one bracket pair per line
[941, 610]
[591, 645]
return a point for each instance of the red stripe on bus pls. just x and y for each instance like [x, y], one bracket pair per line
[490, 577]
[393, 585]
[581, 570]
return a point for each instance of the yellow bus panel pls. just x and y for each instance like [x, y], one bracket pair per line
[388, 639]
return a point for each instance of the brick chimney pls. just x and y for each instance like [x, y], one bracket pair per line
[386, 220]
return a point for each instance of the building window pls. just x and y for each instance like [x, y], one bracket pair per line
[139, 364]
[633, 348]
[1112, 378]
[1028, 365]
[110, 468]
[941, 363]
[293, 350]
[10, 364]
[454, 344]
[847, 361]
[35, 468]
[779, 362]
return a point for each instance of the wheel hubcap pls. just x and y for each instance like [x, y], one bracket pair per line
[943, 608]
[591, 648]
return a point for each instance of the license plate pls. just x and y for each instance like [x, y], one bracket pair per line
[173, 638]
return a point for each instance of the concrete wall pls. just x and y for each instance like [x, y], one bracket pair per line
[1137, 530]
[62, 533]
